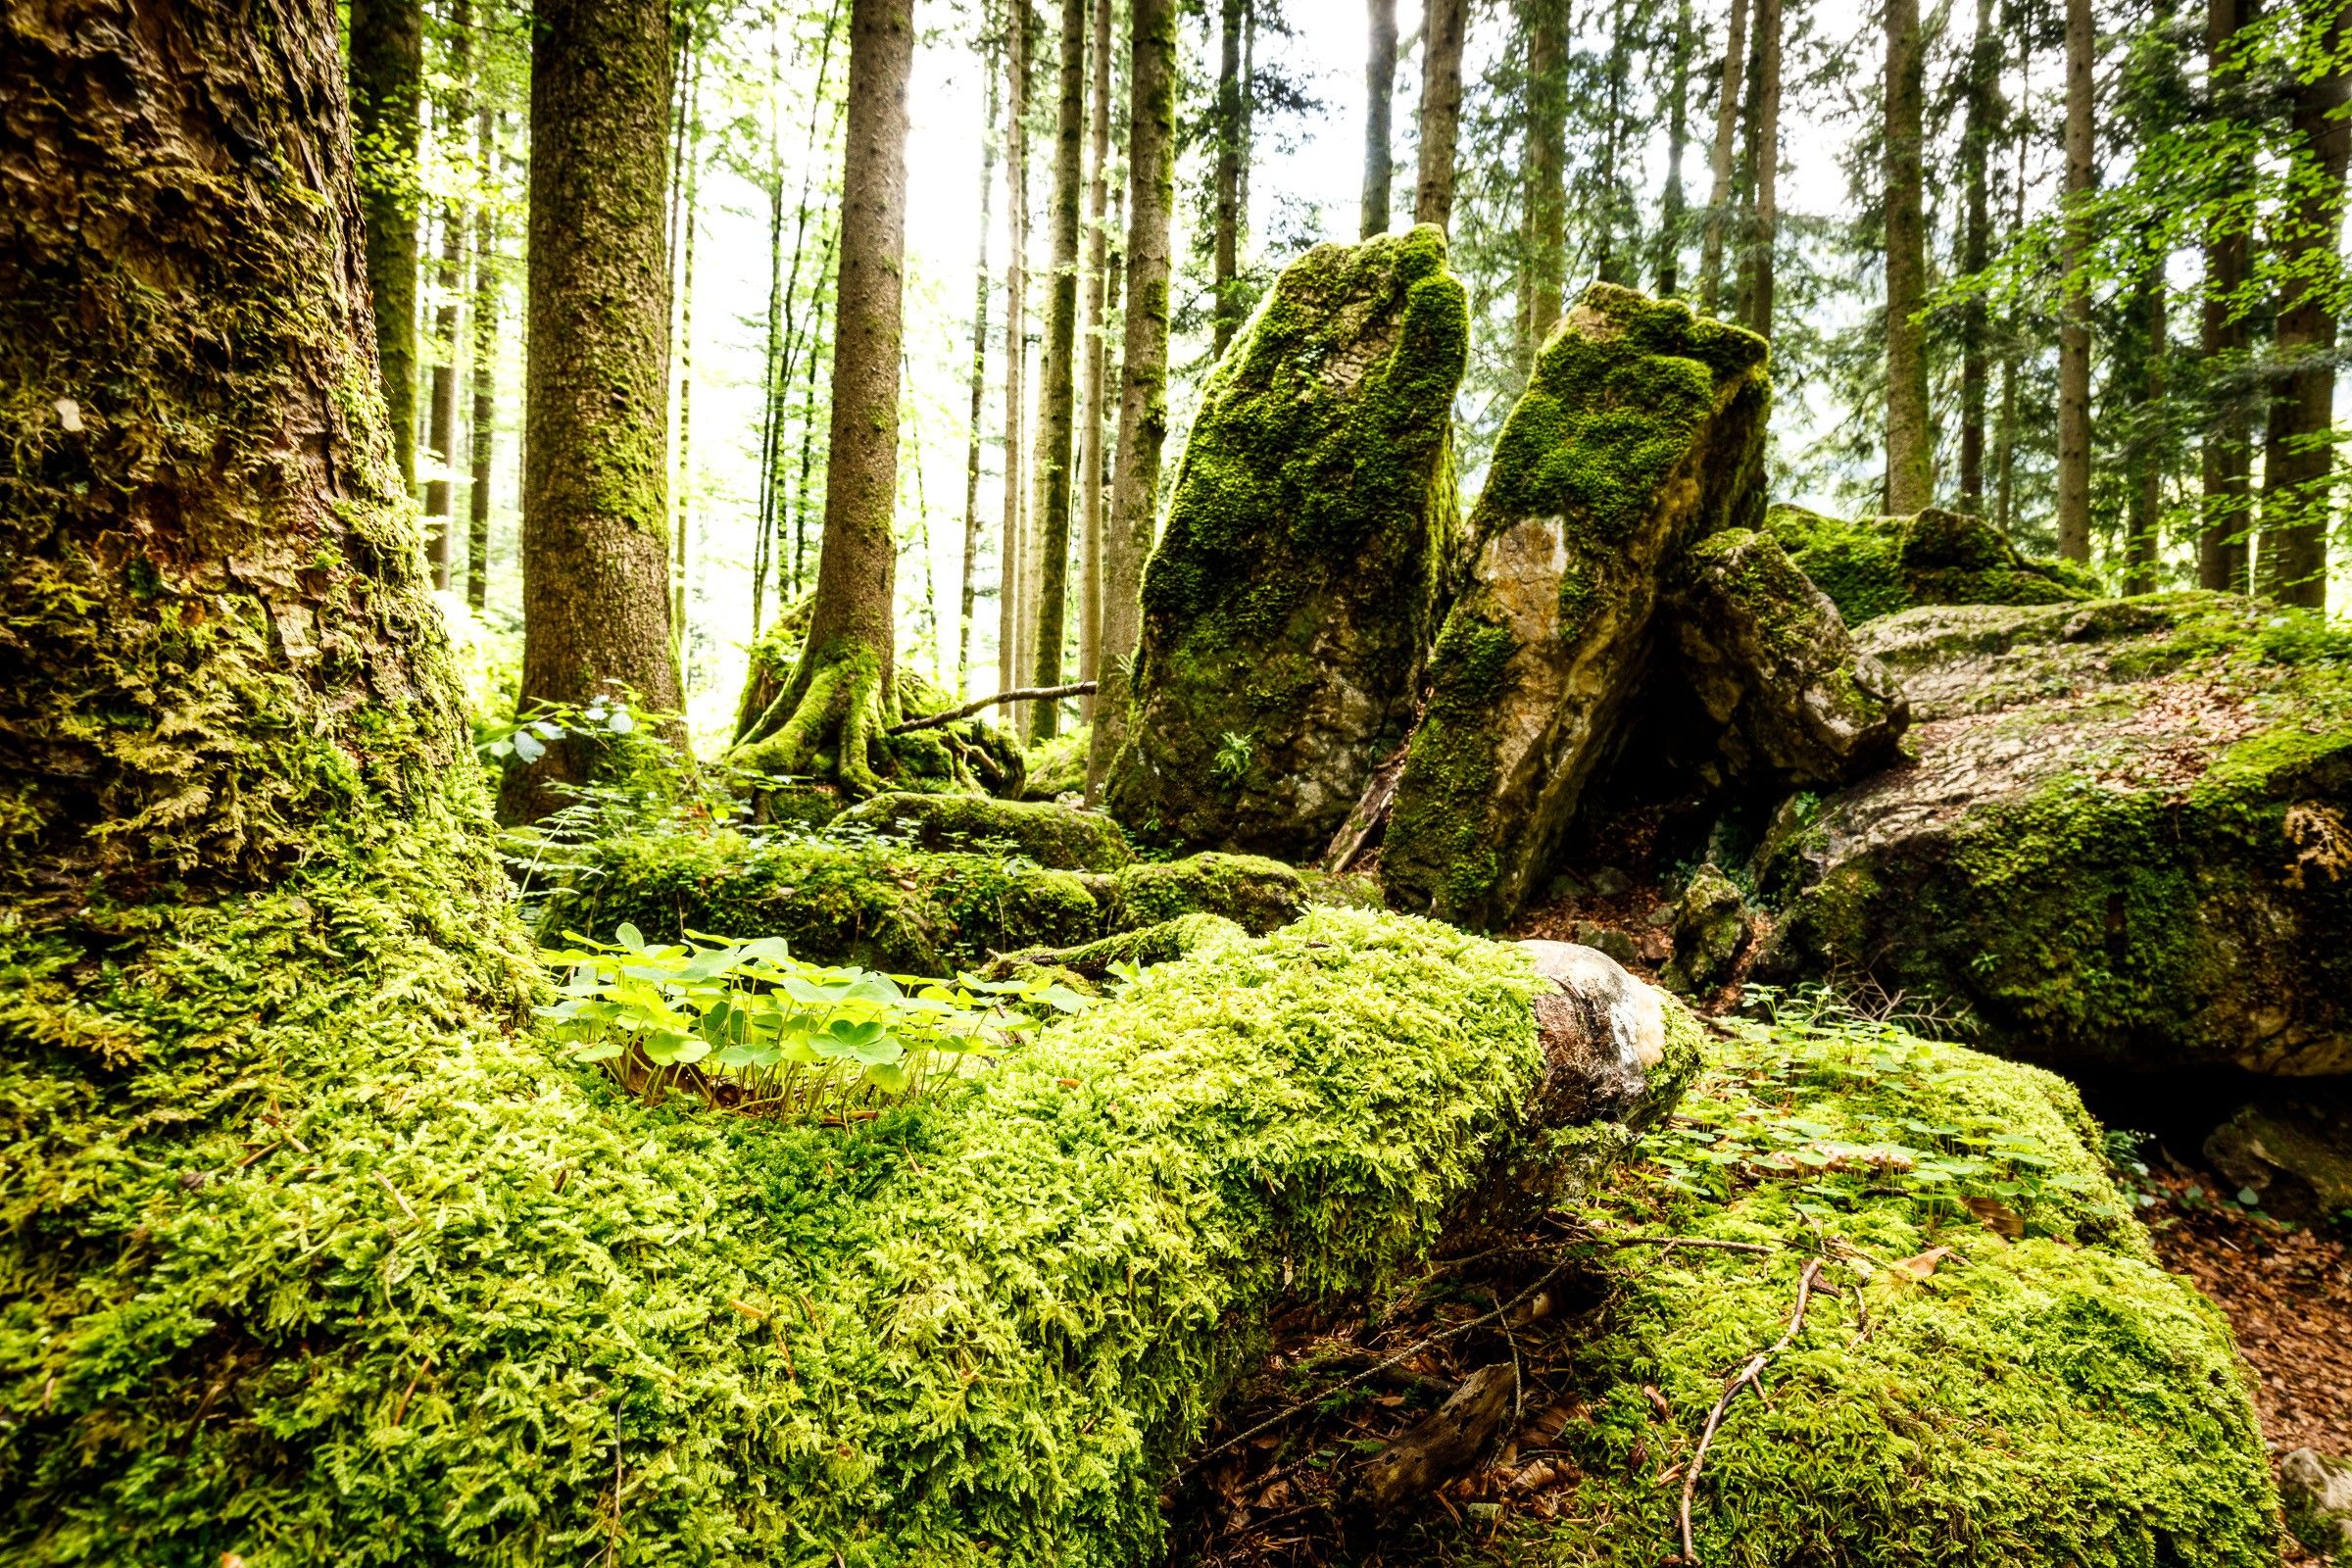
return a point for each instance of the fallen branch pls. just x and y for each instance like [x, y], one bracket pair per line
[1746, 1378]
[1022, 694]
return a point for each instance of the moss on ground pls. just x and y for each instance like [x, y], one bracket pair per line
[1876, 567]
[898, 909]
[2056, 1399]
[1056, 837]
[1056, 766]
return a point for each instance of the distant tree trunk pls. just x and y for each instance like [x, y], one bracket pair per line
[1727, 127]
[485, 360]
[2074, 310]
[1766, 159]
[1671, 210]
[1144, 364]
[1101, 490]
[1380, 98]
[1057, 390]
[690, 178]
[1975, 252]
[387, 92]
[843, 696]
[2298, 465]
[802, 505]
[1095, 350]
[1225, 259]
[2005, 452]
[1445, 25]
[2228, 447]
[972, 450]
[777, 380]
[594, 547]
[440, 491]
[1611, 264]
[1010, 566]
[1547, 175]
[1910, 454]
[2142, 539]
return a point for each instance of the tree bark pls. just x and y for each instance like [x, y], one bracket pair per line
[1910, 455]
[595, 540]
[1443, 31]
[2004, 450]
[843, 696]
[481, 437]
[1975, 252]
[972, 450]
[1672, 207]
[1612, 265]
[2298, 468]
[2074, 310]
[1225, 248]
[1144, 365]
[1766, 156]
[1547, 175]
[387, 93]
[1010, 566]
[440, 491]
[1057, 387]
[2142, 539]
[682, 492]
[2228, 447]
[1727, 127]
[1096, 349]
[1380, 99]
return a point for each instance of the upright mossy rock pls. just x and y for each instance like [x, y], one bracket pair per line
[1875, 566]
[1295, 589]
[1059, 838]
[2125, 840]
[1641, 433]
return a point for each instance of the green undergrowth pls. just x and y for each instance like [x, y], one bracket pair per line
[1875, 566]
[2055, 1398]
[882, 906]
[1055, 837]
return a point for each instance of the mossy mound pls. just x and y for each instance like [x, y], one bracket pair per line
[1295, 588]
[2127, 839]
[1640, 432]
[2056, 1399]
[899, 910]
[1055, 837]
[1875, 566]
[1056, 766]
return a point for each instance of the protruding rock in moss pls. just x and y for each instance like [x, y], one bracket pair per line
[1295, 589]
[1641, 432]
[2316, 1492]
[1093, 961]
[902, 911]
[2127, 839]
[1769, 660]
[1710, 921]
[2292, 1151]
[1876, 566]
[1058, 838]
[1056, 766]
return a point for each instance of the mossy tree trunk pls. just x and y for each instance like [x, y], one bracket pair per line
[1100, 294]
[1016, 342]
[1445, 25]
[1982, 84]
[1057, 403]
[2226, 455]
[1727, 129]
[1910, 443]
[1142, 366]
[843, 696]
[1380, 99]
[2074, 306]
[596, 467]
[979, 383]
[481, 437]
[441, 546]
[387, 93]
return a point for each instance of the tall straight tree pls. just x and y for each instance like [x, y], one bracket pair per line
[843, 697]
[1546, 266]
[1443, 28]
[1010, 566]
[1910, 447]
[1726, 133]
[1380, 99]
[1225, 238]
[979, 383]
[387, 94]
[2143, 541]
[596, 471]
[2226, 452]
[482, 434]
[2298, 463]
[1673, 206]
[1094, 351]
[1761, 254]
[1144, 364]
[1056, 393]
[2074, 308]
[688, 221]
[1983, 90]
[440, 491]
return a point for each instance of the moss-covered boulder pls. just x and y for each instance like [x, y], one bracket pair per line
[1295, 588]
[1641, 433]
[1059, 838]
[2126, 839]
[896, 909]
[2292, 1149]
[1875, 566]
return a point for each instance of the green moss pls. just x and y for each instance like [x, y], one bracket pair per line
[1877, 566]
[1056, 837]
[1056, 766]
[1437, 842]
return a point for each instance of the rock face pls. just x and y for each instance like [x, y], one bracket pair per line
[1640, 432]
[1297, 587]
[2316, 1492]
[1876, 566]
[1709, 924]
[2127, 838]
[2295, 1152]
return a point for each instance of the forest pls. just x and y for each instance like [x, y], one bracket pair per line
[1240, 784]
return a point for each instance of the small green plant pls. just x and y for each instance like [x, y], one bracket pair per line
[747, 1027]
[1234, 754]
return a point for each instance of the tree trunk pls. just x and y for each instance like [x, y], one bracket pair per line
[1225, 259]
[1727, 126]
[1975, 252]
[2074, 308]
[1380, 98]
[2142, 539]
[1612, 265]
[1910, 455]
[1443, 31]
[1056, 393]
[2005, 452]
[2227, 447]
[1096, 352]
[595, 489]
[682, 530]
[777, 380]
[388, 91]
[1672, 209]
[1010, 566]
[1766, 158]
[1547, 175]
[802, 505]
[486, 303]
[972, 450]
[440, 491]
[2298, 465]
[1144, 364]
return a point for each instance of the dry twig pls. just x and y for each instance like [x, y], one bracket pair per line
[1746, 1378]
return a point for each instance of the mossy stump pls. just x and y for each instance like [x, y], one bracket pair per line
[1295, 589]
